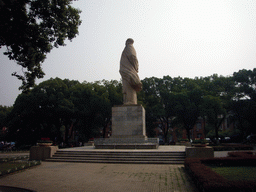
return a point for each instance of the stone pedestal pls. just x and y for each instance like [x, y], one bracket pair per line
[42, 153]
[128, 121]
[128, 130]
[199, 152]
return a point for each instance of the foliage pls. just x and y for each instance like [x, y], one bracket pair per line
[241, 154]
[14, 166]
[178, 102]
[214, 110]
[188, 108]
[232, 147]
[4, 112]
[184, 140]
[199, 141]
[56, 108]
[208, 180]
[31, 28]
[244, 105]
[44, 140]
[245, 82]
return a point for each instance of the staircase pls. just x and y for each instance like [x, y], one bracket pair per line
[131, 157]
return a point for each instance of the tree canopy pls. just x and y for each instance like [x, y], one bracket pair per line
[181, 101]
[31, 28]
[56, 107]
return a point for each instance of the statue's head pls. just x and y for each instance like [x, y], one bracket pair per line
[129, 41]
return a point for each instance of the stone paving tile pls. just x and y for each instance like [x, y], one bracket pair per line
[101, 177]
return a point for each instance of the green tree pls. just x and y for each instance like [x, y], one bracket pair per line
[245, 80]
[31, 28]
[162, 102]
[215, 112]
[244, 102]
[115, 97]
[245, 115]
[42, 112]
[4, 113]
[22, 122]
[150, 97]
[188, 108]
[219, 87]
[181, 101]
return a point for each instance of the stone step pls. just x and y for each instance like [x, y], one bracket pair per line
[119, 157]
[115, 161]
[121, 154]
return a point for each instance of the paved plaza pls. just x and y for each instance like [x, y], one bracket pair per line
[90, 177]
[94, 177]
[67, 177]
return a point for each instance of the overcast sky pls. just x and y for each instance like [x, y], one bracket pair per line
[187, 38]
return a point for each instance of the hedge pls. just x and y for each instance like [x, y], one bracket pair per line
[242, 154]
[210, 181]
[229, 147]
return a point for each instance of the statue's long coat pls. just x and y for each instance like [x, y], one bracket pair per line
[129, 67]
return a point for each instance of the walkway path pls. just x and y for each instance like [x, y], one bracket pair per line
[76, 177]
[54, 176]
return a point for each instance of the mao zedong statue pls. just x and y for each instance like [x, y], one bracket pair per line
[129, 71]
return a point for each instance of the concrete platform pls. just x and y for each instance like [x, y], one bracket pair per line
[42, 153]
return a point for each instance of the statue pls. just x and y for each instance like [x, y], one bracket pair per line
[129, 71]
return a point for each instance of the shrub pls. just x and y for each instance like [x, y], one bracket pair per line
[241, 154]
[232, 147]
[199, 141]
[208, 180]
[183, 140]
[44, 140]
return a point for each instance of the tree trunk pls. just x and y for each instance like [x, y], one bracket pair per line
[188, 133]
[217, 134]
[105, 126]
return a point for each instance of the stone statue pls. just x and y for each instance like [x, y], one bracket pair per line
[129, 71]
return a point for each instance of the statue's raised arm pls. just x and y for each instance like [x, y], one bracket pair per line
[129, 68]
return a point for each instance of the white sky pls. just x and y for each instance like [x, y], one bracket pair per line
[186, 38]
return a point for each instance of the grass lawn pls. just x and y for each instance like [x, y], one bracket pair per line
[236, 173]
[11, 165]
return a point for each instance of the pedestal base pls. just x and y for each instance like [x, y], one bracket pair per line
[126, 143]
[128, 130]
[42, 153]
[128, 121]
[127, 146]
